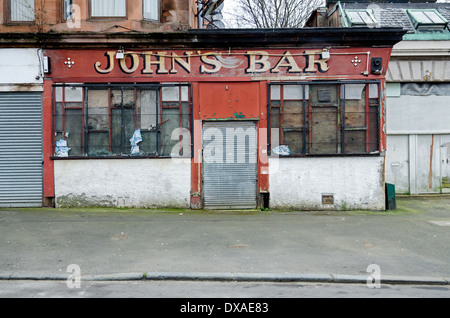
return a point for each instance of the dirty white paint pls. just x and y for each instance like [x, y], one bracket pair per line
[354, 182]
[20, 66]
[418, 114]
[418, 163]
[401, 70]
[418, 130]
[418, 61]
[397, 163]
[143, 183]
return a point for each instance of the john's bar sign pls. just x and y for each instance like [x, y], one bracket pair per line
[217, 63]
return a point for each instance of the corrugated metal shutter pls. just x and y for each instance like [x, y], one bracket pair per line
[20, 150]
[230, 175]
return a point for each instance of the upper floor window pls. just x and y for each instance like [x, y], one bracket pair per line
[21, 10]
[108, 8]
[68, 9]
[150, 9]
[427, 19]
[361, 18]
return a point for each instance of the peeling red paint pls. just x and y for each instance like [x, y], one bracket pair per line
[226, 85]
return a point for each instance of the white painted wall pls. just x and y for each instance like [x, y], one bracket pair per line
[416, 164]
[417, 127]
[20, 66]
[123, 182]
[418, 114]
[355, 182]
[398, 163]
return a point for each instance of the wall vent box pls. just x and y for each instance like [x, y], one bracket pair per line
[327, 199]
[47, 64]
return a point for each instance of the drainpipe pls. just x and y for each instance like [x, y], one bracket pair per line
[199, 16]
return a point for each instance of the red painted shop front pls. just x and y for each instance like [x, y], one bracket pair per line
[285, 95]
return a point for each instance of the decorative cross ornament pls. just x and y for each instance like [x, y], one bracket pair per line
[69, 62]
[355, 61]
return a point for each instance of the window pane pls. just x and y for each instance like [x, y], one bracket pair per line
[58, 117]
[355, 18]
[427, 17]
[22, 10]
[365, 17]
[146, 104]
[98, 143]
[114, 115]
[73, 94]
[170, 122]
[151, 9]
[108, 8]
[275, 120]
[292, 92]
[421, 17]
[74, 131]
[433, 17]
[68, 13]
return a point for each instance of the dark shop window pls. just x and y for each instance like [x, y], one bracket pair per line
[122, 120]
[323, 119]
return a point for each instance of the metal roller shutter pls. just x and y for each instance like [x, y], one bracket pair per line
[20, 150]
[230, 175]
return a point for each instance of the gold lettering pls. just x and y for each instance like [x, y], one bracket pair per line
[291, 64]
[213, 62]
[134, 63]
[312, 61]
[186, 65]
[253, 62]
[161, 62]
[110, 56]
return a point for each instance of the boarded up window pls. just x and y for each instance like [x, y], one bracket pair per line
[324, 108]
[288, 117]
[325, 118]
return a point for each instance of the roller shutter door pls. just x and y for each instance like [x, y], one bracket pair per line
[230, 168]
[20, 150]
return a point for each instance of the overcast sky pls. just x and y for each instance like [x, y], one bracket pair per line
[230, 8]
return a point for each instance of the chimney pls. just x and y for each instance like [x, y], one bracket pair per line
[322, 20]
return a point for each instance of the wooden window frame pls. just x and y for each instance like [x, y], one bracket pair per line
[372, 112]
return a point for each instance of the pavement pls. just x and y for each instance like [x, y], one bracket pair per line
[408, 245]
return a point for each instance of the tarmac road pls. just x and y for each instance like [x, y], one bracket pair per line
[408, 245]
[229, 291]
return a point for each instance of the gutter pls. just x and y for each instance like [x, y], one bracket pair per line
[215, 38]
